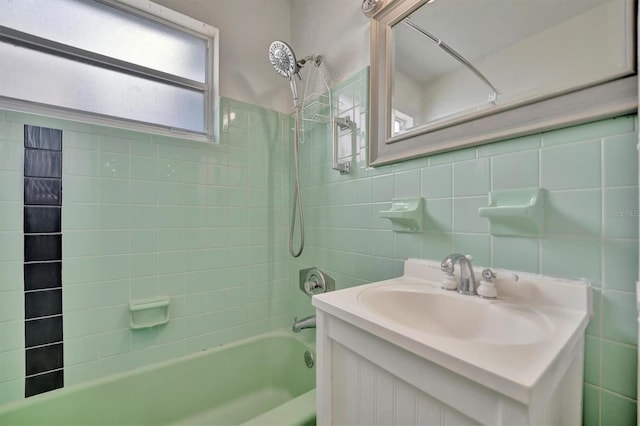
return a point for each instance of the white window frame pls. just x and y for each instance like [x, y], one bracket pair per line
[166, 16]
[401, 121]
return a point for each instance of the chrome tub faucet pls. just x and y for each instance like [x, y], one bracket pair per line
[308, 322]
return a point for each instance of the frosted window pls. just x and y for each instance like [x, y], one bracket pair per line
[92, 57]
[64, 83]
[108, 31]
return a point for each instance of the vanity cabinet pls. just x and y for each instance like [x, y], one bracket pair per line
[371, 370]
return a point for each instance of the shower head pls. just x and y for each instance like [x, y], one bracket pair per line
[284, 62]
[283, 59]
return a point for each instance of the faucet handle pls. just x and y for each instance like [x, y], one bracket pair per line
[486, 289]
[488, 274]
[447, 267]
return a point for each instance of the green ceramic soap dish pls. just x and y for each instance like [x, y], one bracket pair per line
[515, 212]
[405, 214]
[148, 313]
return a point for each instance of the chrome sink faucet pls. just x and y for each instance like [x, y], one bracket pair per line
[467, 283]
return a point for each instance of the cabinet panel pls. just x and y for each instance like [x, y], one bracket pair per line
[365, 394]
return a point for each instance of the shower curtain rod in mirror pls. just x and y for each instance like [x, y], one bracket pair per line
[493, 96]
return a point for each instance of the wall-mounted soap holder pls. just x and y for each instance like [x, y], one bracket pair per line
[406, 214]
[515, 212]
[148, 313]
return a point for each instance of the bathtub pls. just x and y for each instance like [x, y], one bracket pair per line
[260, 381]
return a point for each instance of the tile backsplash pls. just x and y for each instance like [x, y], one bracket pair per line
[590, 173]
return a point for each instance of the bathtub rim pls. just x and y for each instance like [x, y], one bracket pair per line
[78, 387]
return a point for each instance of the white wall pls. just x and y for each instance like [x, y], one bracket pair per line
[405, 100]
[336, 29]
[247, 28]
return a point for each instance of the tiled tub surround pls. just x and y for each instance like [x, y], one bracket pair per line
[145, 216]
[590, 173]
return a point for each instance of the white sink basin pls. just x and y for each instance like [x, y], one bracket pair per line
[449, 314]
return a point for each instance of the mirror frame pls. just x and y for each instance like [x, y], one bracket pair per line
[612, 98]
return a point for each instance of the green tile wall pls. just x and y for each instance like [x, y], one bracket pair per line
[12, 364]
[591, 174]
[146, 216]
[208, 226]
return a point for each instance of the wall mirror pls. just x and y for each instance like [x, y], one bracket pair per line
[447, 74]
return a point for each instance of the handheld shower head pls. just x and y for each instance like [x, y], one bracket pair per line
[283, 59]
[284, 62]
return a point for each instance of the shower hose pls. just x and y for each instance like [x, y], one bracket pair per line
[297, 199]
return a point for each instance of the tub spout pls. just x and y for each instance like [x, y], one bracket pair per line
[308, 322]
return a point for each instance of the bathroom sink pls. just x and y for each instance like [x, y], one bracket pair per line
[517, 345]
[435, 311]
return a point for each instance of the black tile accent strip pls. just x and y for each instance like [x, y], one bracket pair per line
[39, 191]
[42, 220]
[43, 331]
[42, 138]
[38, 276]
[42, 303]
[41, 383]
[39, 248]
[44, 358]
[42, 163]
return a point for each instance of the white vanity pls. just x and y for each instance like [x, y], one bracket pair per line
[405, 351]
